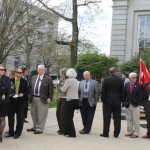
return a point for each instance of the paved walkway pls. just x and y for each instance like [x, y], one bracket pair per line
[49, 140]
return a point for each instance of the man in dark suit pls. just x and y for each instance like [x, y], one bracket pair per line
[111, 96]
[146, 103]
[25, 76]
[88, 95]
[133, 95]
[17, 104]
[40, 96]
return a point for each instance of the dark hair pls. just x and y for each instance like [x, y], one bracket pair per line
[24, 69]
[112, 70]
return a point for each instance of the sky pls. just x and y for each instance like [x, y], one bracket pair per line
[97, 31]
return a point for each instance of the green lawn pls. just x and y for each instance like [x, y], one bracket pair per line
[56, 95]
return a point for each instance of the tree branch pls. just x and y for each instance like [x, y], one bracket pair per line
[90, 2]
[55, 12]
[63, 42]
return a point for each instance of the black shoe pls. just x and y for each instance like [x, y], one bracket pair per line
[83, 132]
[31, 130]
[16, 136]
[59, 132]
[9, 135]
[73, 136]
[25, 121]
[104, 135]
[37, 132]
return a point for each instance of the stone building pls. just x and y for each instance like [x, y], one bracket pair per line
[130, 28]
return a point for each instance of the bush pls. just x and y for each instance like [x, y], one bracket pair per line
[97, 64]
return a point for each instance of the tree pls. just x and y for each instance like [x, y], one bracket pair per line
[133, 65]
[16, 27]
[86, 46]
[74, 21]
[97, 64]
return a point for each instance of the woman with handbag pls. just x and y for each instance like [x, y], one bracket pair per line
[5, 86]
[70, 87]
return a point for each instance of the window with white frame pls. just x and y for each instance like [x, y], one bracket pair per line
[144, 32]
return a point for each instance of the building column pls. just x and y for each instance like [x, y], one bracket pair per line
[119, 25]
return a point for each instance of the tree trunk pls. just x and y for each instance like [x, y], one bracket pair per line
[75, 34]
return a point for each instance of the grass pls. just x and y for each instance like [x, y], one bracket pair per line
[56, 96]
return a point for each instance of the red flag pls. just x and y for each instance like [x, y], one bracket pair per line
[144, 74]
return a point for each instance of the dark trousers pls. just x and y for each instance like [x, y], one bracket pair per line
[147, 114]
[70, 108]
[17, 106]
[87, 114]
[26, 110]
[109, 109]
[61, 114]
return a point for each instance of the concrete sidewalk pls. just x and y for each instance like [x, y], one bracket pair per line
[50, 140]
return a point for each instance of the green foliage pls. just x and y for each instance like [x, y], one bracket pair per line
[97, 64]
[134, 64]
[56, 96]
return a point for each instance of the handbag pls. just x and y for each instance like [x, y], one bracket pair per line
[79, 104]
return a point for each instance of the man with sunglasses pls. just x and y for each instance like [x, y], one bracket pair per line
[133, 95]
[17, 105]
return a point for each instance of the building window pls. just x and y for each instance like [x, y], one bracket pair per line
[16, 62]
[144, 32]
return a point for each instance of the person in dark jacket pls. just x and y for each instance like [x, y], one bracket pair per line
[146, 103]
[133, 95]
[112, 96]
[25, 76]
[17, 105]
[5, 87]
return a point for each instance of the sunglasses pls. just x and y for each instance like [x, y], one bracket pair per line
[2, 69]
[19, 72]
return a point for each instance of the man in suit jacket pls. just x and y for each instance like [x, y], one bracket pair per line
[111, 96]
[40, 96]
[133, 95]
[25, 76]
[17, 104]
[146, 103]
[88, 95]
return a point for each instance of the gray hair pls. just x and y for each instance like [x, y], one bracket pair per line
[41, 66]
[63, 71]
[71, 73]
[132, 74]
[84, 73]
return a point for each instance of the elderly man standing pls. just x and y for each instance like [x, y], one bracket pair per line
[88, 95]
[132, 99]
[40, 96]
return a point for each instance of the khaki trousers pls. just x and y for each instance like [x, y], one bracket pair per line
[39, 112]
[133, 119]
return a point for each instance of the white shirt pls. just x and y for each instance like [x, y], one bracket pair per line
[41, 78]
[149, 98]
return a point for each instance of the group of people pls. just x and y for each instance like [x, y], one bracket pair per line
[130, 95]
[16, 91]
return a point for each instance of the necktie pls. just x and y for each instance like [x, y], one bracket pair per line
[37, 86]
[86, 84]
[17, 86]
[131, 87]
